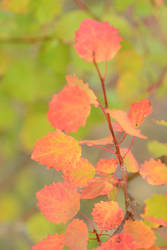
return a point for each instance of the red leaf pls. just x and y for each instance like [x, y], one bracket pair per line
[122, 118]
[143, 236]
[106, 166]
[59, 202]
[107, 215]
[154, 171]
[81, 174]
[97, 39]
[69, 109]
[52, 242]
[98, 186]
[57, 150]
[118, 242]
[139, 111]
[76, 236]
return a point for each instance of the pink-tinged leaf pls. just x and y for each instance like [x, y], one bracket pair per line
[154, 171]
[52, 242]
[76, 236]
[118, 242]
[59, 202]
[107, 215]
[98, 186]
[117, 127]
[104, 141]
[122, 118]
[106, 166]
[97, 39]
[73, 80]
[156, 209]
[70, 108]
[57, 150]
[81, 174]
[130, 161]
[139, 111]
[143, 236]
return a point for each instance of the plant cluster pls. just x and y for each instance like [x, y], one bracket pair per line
[60, 202]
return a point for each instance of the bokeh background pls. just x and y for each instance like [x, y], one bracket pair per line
[36, 52]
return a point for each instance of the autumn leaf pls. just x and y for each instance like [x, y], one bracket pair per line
[129, 161]
[76, 236]
[118, 242]
[104, 141]
[97, 39]
[154, 171]
[69, 109]
[107, 215]
[59, 202]
[143, 236]
[98, 186]
[81, 174]
[106, 166]
[155, 209]
[139, 111]
[57, 150]
[122, 118]
[52, 242]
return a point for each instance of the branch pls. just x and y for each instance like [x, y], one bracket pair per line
[26, 39]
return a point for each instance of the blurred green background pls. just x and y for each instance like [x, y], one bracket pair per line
[36, 52]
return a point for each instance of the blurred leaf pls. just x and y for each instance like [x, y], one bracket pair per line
[129, 87]
[20, 81]
[157, 148]
[143, 8]
[122, 5]
[16, 6]
[133, 65]
[55, 55]
[7, 111]
[67, 25]
[46, 10]
[9, 207]
[117, 21]
[38, 227]
[35, 126]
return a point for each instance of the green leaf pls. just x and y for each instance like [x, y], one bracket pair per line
[35, 126]
[38, 227]
[155, 209]
[157, 148]
[67, 25]
[46, 10]
[55, 55]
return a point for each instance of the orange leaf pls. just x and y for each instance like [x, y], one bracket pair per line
[107, 215]
[139, 111]
[97, 39]
[52, 242]
[130, 161]
[154, 171]
[76, 236]
[143, 236]
[122, 118]
[118, 242]
[97, 186]
[69, 109]
[104, 141]
[106, 166]
[81, 174]
[57, 150]
[151, 248]
[59, 202]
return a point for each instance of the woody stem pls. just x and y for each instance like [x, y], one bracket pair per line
[119, 157]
